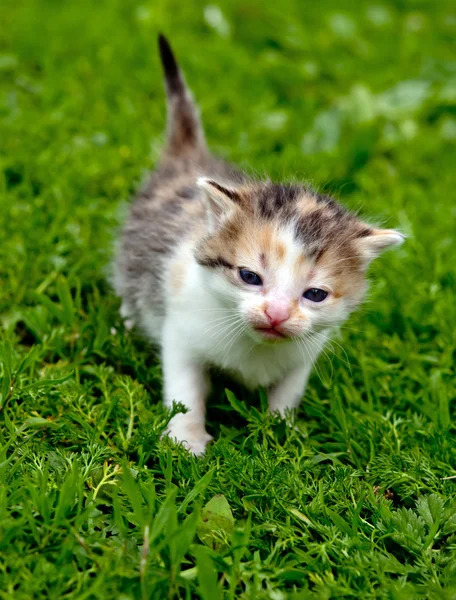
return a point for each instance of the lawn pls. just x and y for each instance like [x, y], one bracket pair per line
[357, 498]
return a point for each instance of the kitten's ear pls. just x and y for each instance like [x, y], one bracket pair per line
[221, 201]
[376, 241]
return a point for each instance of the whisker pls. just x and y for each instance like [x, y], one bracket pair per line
[337, 326]
[225, 327]
[219, 322]
[303, 346]
[223, 318]
[235, 337]
[214, 309]
[230, 330]
[332, 341]
[250, 349]
[225, 344]
[313, 360]
[323, 343]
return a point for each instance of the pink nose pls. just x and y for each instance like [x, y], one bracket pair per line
[277, 312]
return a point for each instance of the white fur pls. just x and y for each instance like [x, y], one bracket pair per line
[207, 323]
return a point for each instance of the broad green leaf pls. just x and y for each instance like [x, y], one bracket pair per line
[216, 523]
[430, 508]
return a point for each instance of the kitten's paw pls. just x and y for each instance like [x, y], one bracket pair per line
[197, 446]
[192, 436]
[276, 404]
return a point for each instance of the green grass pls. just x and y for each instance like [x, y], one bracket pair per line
[357, 501]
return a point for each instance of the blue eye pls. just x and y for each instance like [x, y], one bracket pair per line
[250, 277]
[315, 295]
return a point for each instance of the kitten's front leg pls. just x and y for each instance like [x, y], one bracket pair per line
[185, 381]
[287, 394]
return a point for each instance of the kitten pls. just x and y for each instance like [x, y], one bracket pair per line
[221, 270]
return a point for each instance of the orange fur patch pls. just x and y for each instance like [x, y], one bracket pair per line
[280, 250]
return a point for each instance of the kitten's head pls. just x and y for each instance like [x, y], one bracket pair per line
[290, 261]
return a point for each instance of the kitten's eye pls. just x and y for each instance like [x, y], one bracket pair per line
[315, 295]
[250, 277]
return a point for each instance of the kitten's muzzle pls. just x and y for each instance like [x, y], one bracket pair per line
[270, 333]
[276, 314]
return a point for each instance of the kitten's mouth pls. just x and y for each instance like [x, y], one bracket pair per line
[270, 333]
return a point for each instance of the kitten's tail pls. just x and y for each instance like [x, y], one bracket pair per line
[185, 133]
